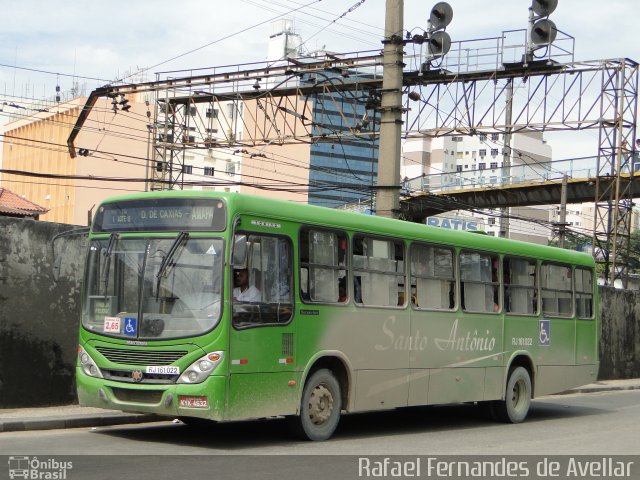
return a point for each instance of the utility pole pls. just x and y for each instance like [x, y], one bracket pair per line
[388, 195]
[563, 211]
[506, 156]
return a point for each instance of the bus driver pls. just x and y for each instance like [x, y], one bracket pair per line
[244, 292]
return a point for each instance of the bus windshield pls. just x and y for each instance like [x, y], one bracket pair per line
[153, 288]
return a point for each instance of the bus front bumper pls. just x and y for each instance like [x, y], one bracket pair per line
[203, 400]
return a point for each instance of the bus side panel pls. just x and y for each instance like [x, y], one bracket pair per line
[381, 389]
[256, 395]
[373, 341]
[456, 348]
[586, 342]
[554, 379]
[456, 385]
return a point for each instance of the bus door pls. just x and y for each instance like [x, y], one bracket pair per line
[263, 381]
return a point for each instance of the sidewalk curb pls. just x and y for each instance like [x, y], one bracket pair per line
[598, 389]
[76, 421]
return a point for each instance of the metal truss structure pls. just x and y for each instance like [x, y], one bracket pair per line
[260, 104]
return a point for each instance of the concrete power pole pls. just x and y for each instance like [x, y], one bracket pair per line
[506, 158]
[563, 212]
[388, 195]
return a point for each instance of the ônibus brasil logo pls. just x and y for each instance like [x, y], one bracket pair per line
[38, 469]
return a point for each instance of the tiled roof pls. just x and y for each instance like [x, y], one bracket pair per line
[12, 204]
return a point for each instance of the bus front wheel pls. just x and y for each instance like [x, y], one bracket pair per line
[319, 408]
[515, 406]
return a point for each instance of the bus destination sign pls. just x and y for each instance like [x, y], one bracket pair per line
[161, 215]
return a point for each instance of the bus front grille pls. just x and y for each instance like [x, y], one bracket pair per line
[141, 357]
[137, 396]
[127, 377]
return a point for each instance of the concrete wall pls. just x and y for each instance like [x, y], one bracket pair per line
[38, 317]
[619, 333]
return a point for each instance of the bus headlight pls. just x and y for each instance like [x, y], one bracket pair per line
[199, 370]
[89, 367]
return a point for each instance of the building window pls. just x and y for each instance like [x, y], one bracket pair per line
[495, 136]
[483, 152]
[482, 166]
[458, 168]
[209, 171]
[231, 168]
[187, 169]
[494, 152]
[493, 165]
[483, 137]
[193, 111]
[212, 113]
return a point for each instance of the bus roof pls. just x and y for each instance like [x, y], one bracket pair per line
[290, 211]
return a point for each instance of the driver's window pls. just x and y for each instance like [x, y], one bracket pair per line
[262, 281]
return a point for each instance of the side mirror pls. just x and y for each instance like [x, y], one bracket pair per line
[239, 259]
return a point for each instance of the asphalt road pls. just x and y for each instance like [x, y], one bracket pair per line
[597, 424]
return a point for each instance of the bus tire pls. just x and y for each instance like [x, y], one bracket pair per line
[515, 407]
[320, 407]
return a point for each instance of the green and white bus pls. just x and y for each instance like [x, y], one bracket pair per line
[203, 305]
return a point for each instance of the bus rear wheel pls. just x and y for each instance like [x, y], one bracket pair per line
[319, 408]
[515, 407]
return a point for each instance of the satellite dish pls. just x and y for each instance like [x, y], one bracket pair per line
[544, 8]
[543, 32]
[441, 15]
[439, 43]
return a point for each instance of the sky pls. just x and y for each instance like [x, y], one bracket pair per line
[106, 40]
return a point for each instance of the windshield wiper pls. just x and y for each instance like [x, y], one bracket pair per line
[107, 263]
[167, 258]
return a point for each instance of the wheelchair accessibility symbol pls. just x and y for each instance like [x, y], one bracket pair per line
[545, 333]
[131, 326]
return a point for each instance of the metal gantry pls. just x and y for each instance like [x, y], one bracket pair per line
[263, 104]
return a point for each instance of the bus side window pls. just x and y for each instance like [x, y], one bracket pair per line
[378, 271]
[323, 272]
[520, 286]
[556, 290]
[432, 274]
[479, 282]
[584, 293]
[262, 290]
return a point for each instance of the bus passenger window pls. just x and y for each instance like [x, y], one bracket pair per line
[378, 271]
[323, 273]
[433, 276]
[520, 286]
[479, 282]
[584, 293]
[556, 290]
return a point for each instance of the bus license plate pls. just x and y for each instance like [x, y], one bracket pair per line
[193, 402]
[163, 370]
